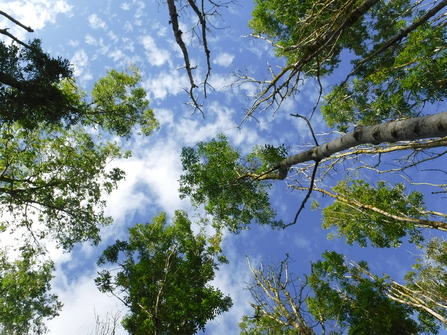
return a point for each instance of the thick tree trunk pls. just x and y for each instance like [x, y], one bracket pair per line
[404, 130]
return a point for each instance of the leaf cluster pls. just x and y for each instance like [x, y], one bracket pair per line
[429, 276]
[397, 83]
[36, 89]
[214, 178]
[359, 223]
[57, 178]
[28, 86]
[24, 293]
[358, 303]
[297, 28]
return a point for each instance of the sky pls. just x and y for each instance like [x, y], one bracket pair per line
[100, 35]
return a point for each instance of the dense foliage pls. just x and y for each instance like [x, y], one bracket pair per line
[28, 86]
[214, 178]
[55, 155]
[163, 277]
[373, 63]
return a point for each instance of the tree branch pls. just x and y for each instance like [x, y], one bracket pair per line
[404, 130]
[16, 22]
[440, 225]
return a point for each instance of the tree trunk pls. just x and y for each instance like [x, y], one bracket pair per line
[404, 130]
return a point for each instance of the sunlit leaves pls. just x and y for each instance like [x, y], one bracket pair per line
[119, 104]
[35, 88]
[53, 182]
[266, 157]
[214, 178]
[359, 223]
[299, 28]
[24, 297]
[429, 276]
[395, 84]
[164, 275]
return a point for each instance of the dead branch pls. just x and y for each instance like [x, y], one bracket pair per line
[16, 22]
[203, 13]
[271, 291]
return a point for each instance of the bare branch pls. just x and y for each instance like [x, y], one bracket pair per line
[309, 192]
[271, 292]
[275, 91]
[16, 22]
[5, 32]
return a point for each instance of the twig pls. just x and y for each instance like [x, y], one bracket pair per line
[309, 125]
[307, 195]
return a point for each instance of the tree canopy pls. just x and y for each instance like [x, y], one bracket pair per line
[163, 277]
[379, 68]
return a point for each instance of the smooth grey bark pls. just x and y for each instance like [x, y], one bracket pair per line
[394, 131]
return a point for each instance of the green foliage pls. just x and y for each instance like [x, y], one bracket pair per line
[213, 178]
[36, 89]
[54, 171]
[360, 224]
[397, 83]
[259, 325]
[264, 158]
[163, 277]
[429, 276]
[343, 294]
[28, 86]
[298, 27]
[53, 182]
[119, 104]
[24, 286]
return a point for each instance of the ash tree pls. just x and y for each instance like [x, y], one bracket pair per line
[162, 275]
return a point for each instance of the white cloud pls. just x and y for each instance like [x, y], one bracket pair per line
[161, 29]
[126, 6]
[223, 59]
[96, 23]
[127, 44]
[114, 37]
[128, 26]
[165, 83]
[155, 56]
[116, 55]
[73, 43]
[80, 62]
[33, 13]
[82, 300]
[89, 39]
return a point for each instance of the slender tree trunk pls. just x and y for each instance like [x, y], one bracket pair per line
[404, 130]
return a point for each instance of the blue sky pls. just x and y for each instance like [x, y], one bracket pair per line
[100, 35]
